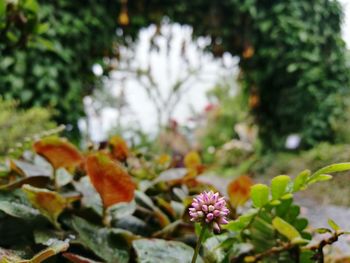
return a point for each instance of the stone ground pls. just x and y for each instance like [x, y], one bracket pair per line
[316, 213]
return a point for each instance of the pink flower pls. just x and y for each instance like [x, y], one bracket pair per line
[209, 208]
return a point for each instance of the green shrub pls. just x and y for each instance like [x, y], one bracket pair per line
[18, 126]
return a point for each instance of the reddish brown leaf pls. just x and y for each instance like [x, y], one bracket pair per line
[110, 180]
[51, 204]
[119, 148]
[239, 190]
[59, 152]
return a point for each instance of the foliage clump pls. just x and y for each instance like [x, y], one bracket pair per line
[97, 206]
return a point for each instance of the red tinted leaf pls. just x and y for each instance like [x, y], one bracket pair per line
[239, 190]
[113, 183]
[119, 148]
[59, 152]
[49, 203]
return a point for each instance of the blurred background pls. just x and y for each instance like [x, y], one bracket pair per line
[257, 87]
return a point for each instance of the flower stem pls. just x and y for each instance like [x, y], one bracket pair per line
[199, 243]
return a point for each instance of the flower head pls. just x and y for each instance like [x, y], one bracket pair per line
[209, 208]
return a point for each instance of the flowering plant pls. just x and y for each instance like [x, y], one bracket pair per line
[210, 209]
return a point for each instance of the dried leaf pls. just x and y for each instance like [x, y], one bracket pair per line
[59, 152]
[49, 203]
[119, 148]
[110, 180]
[38, 181]
[55, 247]
[239, 190]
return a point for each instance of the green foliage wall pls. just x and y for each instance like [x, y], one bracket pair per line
[292, 55]
[54, 69]
[292, 58]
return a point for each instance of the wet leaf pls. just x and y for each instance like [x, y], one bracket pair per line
[18, 210]
[110, 180]
[239, 190]
[167, 231]
[145, 200]
[160, 251]
[107, 243]
[90, 198]
[59, 152]
[27, 169]
[121, 210]
[49, 203]
[45, 235]
[63, 177]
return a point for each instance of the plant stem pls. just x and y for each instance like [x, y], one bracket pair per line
[199, 243]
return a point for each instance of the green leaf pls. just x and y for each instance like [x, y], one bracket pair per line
[300, 180]
[91, 199]
[323, 230]
[338, 167]
[279, 186]
[160, 251]
[286, 229]
[333, 225]
[18, 210]
[31, 5]
[109, 244]
[241, 222]
[320, 178]
[260, 195]
[213, 251]
[63, 177]
[121, 210]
